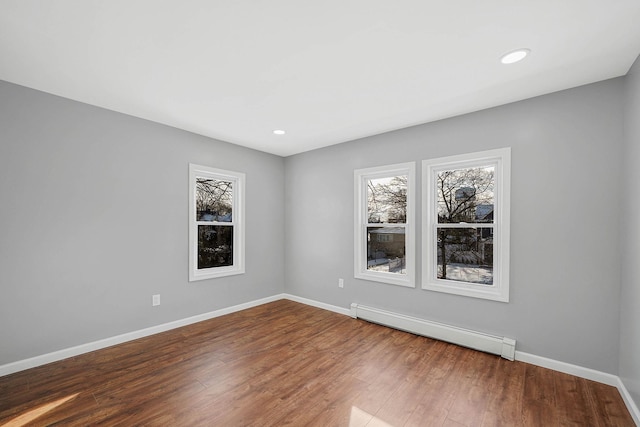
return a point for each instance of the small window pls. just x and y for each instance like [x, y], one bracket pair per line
[384, 230]
[466, 224]
[216, 226]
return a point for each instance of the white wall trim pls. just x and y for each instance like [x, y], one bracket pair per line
[628, 400]
[317, 304]
[586, 373]
[55, 356]
[567, 368]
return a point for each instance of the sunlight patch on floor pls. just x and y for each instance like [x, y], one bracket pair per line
[32, 414]
[360, 418]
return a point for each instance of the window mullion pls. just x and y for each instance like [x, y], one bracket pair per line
[465, 225]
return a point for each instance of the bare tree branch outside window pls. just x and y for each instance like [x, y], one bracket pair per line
[214, 200]
[466, 196]
[214, 203]
[387, 200]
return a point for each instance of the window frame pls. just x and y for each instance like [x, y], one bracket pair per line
[361, 176]
[501, 159]
[237, 222]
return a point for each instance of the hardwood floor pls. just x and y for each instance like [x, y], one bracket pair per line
[287, 364]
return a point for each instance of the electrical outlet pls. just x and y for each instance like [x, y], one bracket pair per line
[341, 282]
[155, 300]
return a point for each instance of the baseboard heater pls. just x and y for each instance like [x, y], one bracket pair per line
[501, 346]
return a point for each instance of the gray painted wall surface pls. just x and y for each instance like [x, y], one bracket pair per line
[93, 221]
[630, 301]
[565, 266]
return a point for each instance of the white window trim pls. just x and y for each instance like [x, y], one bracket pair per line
[499, 290]
[238, 179]
[360, 224]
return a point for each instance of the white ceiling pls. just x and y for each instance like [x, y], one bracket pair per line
[325, 71]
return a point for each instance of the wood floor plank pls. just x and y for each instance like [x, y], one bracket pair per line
[408, 396]
[609, 408]
[439, 392]
[288, 364]
[506, 405]
[539, 401]
[576, 409]
[474, 389]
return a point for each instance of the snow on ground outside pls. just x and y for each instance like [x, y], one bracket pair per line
[458, 272]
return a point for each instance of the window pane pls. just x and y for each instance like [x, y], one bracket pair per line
[214, 200]
[215, 246]
[465, 254]
[386, 249]
[387, 199]
[466, 195]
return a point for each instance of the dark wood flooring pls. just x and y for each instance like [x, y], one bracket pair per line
[288, 364]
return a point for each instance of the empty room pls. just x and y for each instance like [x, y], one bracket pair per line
[356, 213]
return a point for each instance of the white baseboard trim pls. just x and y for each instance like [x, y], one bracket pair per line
[586, 373]
[317, 304]
[628, 400]
[567, 368]
[55, 356]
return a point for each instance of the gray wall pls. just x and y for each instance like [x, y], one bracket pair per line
[630, 301]
[93, 221]
[565, 267]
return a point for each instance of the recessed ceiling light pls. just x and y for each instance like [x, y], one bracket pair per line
[514, 56]
[279, 132]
